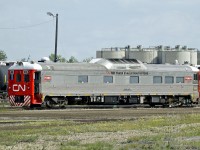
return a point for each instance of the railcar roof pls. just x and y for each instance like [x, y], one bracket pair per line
[120, 64]
[96, 64]
[71, 66]
[170, 67]
[102, 65]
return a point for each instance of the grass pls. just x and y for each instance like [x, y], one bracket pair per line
[166, 132]
[90, 146]
[3, 105]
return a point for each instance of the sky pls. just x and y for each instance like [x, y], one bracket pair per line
[86, 26]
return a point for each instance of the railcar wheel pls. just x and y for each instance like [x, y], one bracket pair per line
[49, 104]
[64, 104]
[122, 101]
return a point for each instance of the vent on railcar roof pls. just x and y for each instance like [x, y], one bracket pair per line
[124, 61]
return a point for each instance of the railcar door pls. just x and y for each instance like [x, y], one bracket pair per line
[199, 83]
[37, 82]
[37, 88]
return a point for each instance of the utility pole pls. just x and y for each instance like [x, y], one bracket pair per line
[56, 35]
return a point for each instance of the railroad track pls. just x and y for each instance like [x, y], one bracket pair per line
[90, 115]
[93, 107]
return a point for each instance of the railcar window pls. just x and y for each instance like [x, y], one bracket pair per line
[37, 82]
[134, 79]
[169, 79]
[108, 79]
[26, 78]
[179, 79]
[11, 76]
[157, 79]
[18, 79]
[37, 76]
[195, 77]
[83, 79]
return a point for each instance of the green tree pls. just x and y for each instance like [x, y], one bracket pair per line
[3, 56]
[72, 59]
[59, 58]
[51, 57]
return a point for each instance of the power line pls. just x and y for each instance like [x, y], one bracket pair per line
[28, 26]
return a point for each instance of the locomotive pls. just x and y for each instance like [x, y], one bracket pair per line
[3, 78]
[102, 82]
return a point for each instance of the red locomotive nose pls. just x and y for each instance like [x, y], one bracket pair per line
[22, 84]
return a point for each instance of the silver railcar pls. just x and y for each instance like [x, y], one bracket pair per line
[118, 81]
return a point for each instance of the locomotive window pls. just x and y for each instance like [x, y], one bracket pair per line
[83, 79]
[169, 79]
[134, 79]
[18, 79]
[157, 79]
[179, 79]
[25, 71]
[108, 79]
[11, 76]
[26, 78]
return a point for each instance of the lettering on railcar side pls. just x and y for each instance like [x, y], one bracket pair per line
[128, 73]
[18, 87]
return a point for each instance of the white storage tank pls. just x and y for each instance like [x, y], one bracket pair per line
[198, 57]
[193, 57]
[146, 56]
[171, 56]
[111, 53]
[155, 55]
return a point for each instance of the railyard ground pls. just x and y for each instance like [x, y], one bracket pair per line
[99, 129]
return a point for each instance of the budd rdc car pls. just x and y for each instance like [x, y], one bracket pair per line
[102, 82]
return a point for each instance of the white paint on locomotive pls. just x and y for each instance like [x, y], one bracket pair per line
[26, 66]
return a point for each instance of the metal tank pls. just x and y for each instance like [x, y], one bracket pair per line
[198, 57]
[170, 57]
[146, 56]
[154, 55]
[113, 53]
[193, 57]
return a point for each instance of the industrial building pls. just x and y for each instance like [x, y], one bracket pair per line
[153, 55]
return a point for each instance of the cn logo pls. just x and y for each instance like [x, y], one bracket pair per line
[17, 88]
